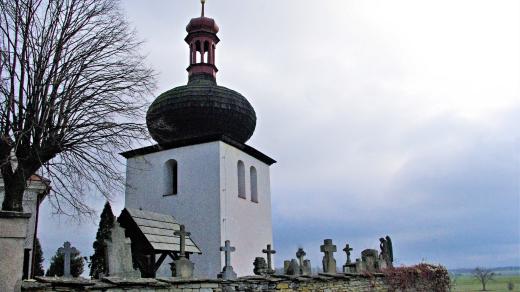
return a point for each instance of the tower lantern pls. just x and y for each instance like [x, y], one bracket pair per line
[202, 40]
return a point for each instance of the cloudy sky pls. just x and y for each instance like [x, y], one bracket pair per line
[385, 117]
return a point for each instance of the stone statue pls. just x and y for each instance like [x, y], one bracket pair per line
[386, 250]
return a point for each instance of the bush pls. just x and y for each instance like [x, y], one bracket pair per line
[433, 278]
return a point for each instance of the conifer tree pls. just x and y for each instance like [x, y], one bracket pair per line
[97, 260]
[57, 261]
[38, 259]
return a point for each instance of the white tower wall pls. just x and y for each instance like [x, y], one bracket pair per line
[245, 223]
[207, 201]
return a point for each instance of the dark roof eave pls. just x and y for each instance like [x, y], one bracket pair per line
[200, 140]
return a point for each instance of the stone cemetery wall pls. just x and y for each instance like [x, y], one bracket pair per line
[415, 280]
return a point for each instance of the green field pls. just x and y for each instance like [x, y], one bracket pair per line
[468, 283]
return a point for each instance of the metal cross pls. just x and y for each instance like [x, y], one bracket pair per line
[348, 249]
[300, 254]
[269, 252]
[227, 249]
[182, 234]
[67, 250]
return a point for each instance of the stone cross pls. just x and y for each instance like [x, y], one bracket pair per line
[300, 254]
[329, 263]
[227, 271]
[269, 252]
[227, 249]
[182, 234]
[347, 250]
[66, 251]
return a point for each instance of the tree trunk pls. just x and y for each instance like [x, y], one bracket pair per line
[14, 188]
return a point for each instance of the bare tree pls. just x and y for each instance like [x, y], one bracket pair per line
[72, 87]
[483, 275]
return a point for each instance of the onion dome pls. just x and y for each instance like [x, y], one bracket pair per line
[202, 24]
[201, 107]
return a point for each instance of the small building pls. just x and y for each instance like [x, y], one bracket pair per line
[153, 234]
[36, 191]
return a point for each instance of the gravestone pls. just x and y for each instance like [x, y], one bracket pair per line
[329, 263]
[269, 252]
[294, 268]
[67, 250]
[300, 254]
[119, 254]
[286, 264]
[360, 266]
[348, 267]
[307, 268]
[305, 265]
[347, 250]
[370, 260]
[182, 267]
[227, 272]
[260, 266]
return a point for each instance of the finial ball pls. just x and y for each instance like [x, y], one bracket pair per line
[202, 1]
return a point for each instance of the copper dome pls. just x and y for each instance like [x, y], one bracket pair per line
[202, 23]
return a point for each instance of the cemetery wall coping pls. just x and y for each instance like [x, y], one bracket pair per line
[320, 282]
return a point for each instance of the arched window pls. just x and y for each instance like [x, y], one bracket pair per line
[254, 184]
[199, 52]
[171, 177]
[241, 175]
[206, 52]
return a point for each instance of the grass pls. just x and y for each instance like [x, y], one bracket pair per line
[467, 283]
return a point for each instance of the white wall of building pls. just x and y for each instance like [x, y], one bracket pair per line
[207, 201]
[196, 205]
[245, 223]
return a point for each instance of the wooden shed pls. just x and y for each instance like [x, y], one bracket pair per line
[152, 235]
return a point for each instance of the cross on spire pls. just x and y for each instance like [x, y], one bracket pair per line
[227, 249]
[182, 234]
[269, 252]
[202, 2]
[67, 250]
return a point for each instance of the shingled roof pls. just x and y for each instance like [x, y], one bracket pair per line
[157, 229]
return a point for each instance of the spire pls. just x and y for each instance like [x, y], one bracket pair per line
[202, 40]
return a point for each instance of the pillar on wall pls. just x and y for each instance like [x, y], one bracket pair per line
[13, 231]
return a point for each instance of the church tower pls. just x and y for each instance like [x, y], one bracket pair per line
[201, 171]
